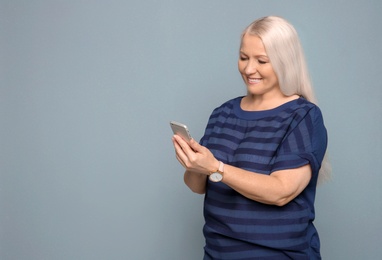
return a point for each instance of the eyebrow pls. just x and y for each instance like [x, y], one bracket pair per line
[257, 56]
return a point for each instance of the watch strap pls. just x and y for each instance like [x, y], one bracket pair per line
[221, 167]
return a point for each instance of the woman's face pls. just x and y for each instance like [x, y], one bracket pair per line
[255, 67]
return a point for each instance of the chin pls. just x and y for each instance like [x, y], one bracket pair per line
[254, 91]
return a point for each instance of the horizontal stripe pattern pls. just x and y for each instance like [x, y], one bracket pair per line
[289, 136]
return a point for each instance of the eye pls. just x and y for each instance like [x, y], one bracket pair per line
[262, 62]
[243, 58]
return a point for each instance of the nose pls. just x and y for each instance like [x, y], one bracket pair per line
[250, 68]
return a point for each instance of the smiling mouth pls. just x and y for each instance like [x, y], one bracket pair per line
[254, 81]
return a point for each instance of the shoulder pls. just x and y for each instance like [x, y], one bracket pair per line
[309, 116]
[227, 106]
[302, 114]
[230, 103]
[303, 104]
[304, 108]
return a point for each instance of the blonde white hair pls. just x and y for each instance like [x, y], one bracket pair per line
[286, 55]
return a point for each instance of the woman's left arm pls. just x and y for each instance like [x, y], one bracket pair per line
[278, 188]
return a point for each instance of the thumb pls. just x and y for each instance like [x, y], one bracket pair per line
[195, 145]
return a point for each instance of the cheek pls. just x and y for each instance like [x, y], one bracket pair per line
[274, 76]
[240, 67]
[269, 73]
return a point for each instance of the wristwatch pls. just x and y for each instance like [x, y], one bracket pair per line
[218, 175]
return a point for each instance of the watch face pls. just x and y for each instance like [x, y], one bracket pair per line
[216, 177]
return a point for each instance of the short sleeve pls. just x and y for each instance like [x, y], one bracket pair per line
[305, 143]
[208, 130]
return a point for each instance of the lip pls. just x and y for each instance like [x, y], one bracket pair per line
[254, 80]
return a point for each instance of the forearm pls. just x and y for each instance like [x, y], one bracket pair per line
[258, 187]
[272, 189]
[277, 188]
[195, 181]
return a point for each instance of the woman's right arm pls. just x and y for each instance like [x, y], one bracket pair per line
[195, 181]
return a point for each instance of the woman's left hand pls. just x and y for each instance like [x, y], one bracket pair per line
[194, 157]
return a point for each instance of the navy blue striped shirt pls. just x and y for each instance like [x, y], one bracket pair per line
[287, 137]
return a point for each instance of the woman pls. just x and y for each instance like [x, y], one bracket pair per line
[259, 160]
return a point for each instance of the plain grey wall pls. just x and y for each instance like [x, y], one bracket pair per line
[87, 89]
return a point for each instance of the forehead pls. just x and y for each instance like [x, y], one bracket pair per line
[252, 44]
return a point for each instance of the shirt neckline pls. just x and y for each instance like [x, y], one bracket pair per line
[251, 115]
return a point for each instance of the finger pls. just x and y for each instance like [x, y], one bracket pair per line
[184, 145]
[180, 161]
[195, 146]
[180, 154]
[178, 148]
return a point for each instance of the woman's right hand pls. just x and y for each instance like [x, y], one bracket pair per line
[194, 157]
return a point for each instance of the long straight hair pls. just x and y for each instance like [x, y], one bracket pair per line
[286, 55]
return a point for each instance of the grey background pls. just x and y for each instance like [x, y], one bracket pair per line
[87, 89]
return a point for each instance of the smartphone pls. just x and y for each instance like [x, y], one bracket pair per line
[181, 130]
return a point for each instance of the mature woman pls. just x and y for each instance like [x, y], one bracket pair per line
[260, 157]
